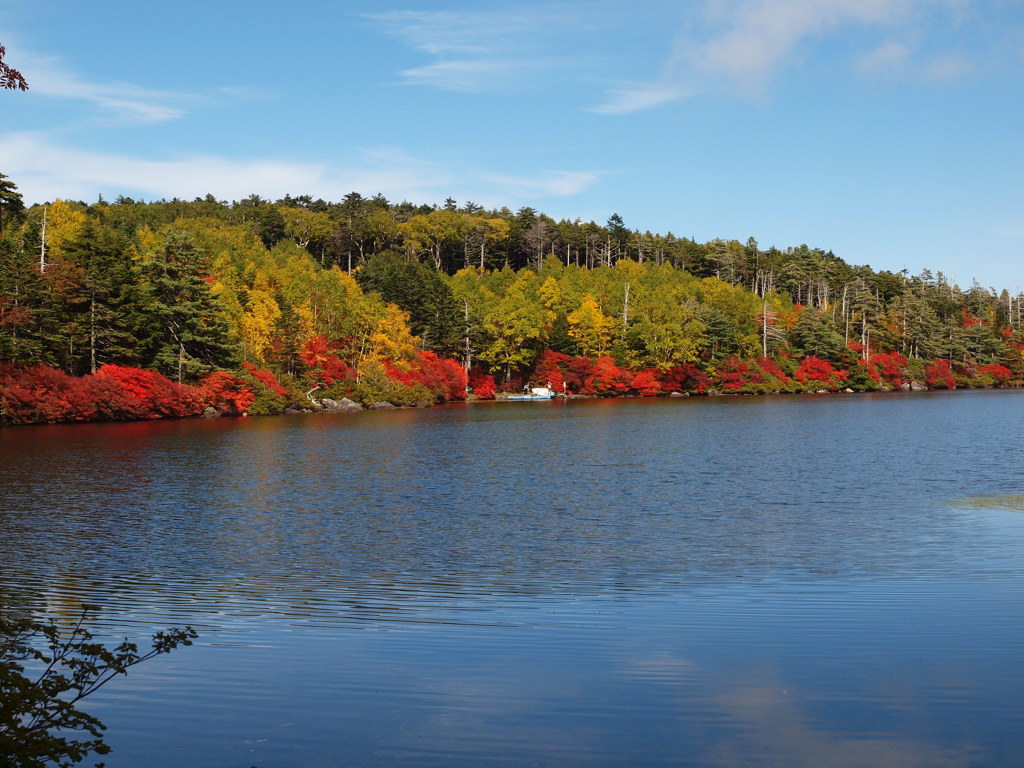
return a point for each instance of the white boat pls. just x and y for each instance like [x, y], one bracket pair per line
[536, 393]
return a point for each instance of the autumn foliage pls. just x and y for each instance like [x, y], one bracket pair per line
[482, 384]
[155, 394]
[939, 375]
[226, 393]
[1000, 373]
[266, 378]
[687, 377]
[43, 394]
[646, 383]
[325, 366]
[889, 369]
[814, 369]
[444, 376]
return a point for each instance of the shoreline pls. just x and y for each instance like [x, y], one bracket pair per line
[346, 406]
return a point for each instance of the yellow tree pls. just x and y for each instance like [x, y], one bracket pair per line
[304, 226]
[476, 302]
[63, 224]
[434, 232]
[590, 328]
[236, 255]
[550, 294]
[259, 322]
[517, 327]
[391, 339]
[483, 233]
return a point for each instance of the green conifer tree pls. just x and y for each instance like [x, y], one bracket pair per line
[184, 333]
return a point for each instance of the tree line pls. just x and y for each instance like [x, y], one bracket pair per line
[411, 303]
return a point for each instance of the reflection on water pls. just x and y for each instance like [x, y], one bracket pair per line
[735, 581]
[1011, 501]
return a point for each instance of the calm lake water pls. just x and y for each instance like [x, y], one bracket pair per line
[778, 581]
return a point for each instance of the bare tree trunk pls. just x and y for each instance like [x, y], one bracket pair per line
[467, 355]
[846, 319]
[92, 333]
[42, 245]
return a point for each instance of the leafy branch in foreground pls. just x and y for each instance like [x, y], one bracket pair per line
[10, 78]
[44, 673]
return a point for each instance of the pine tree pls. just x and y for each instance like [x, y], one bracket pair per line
[814, 334]
[11, 204]
[185, 334]
[106, 291]
[22, 293]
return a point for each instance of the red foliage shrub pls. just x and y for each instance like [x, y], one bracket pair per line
[266, 378]
[482, 384]
[226, 392]
[325, 367]
[1000, 373]
[408, 377]
[42, 394]
[442, 375]
[551, 366]
[684, 378]
[608, 378]
[733, 374]
[334, 369]
[647, 383]
[579, 374]
[597, 376]
[816, 369]
[39, 393]
[157, 395]
[772, 368]
[888, 367]
[940, 375]
[110, 401]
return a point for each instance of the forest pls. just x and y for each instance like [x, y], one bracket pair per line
[133, 310]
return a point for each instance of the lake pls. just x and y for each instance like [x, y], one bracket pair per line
[776, 581]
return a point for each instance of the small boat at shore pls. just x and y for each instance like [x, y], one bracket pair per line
[536, 393]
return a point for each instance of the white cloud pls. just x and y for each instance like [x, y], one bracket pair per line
[547, 184]
[884, 59]
[442, 33]
[469, 75]
[115, 102]
[895, 60]
[640, 96]
[745, 44]
[947, 69]
[476, 52]
[45, 170]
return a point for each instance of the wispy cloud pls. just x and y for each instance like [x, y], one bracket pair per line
[475, 51]
[472, 75]
[902, 61]
[114, 101]
[546, 184]
[44, 170]
[740, 47]
[885, 58]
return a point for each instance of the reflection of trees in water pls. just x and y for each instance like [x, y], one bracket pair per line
[413, 510]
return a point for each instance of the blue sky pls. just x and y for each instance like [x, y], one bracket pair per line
[889, 131]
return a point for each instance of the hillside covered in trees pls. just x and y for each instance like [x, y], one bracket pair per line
[129, 309]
